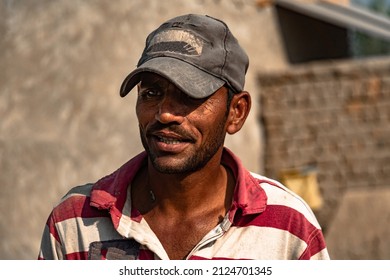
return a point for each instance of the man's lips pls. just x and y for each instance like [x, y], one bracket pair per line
[169, 137]
[172, 132]
[168, 141]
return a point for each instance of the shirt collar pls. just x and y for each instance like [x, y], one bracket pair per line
[249, 196]
[110, 191]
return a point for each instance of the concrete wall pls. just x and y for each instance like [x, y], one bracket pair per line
[335, 117]
[62, 120]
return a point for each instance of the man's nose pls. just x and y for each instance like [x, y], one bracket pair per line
[170, 110]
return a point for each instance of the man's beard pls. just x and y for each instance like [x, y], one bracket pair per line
[197, 160]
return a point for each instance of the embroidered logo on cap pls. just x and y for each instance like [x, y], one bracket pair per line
[176, 41]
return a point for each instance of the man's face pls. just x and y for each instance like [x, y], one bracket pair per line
[180, 134]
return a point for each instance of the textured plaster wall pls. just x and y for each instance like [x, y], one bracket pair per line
[62, 120]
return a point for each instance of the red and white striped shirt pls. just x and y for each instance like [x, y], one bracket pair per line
[266, 221]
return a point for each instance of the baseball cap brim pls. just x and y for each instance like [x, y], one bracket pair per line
[187, 77]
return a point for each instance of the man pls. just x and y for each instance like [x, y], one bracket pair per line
[185, 196]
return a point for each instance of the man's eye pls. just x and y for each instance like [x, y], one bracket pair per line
[149, 93]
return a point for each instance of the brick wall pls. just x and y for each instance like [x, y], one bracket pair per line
[333, 116]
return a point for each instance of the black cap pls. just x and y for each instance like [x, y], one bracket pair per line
[197, 53]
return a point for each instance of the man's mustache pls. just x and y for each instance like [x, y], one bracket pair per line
[157, 127]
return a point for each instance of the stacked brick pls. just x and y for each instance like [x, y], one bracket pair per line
[334, 116]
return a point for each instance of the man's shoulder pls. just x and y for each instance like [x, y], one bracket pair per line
[280, 195]
[81, 190]
[75, 195]
[75, 204]
[276, 188]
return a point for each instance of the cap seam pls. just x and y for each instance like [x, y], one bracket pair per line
[226, 53]
[226, 30]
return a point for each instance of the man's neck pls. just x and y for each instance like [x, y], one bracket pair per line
[181, 204]
[183, 193]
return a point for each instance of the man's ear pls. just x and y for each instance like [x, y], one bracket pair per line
[238, 111]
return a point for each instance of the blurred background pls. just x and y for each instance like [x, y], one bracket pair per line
[319, 77]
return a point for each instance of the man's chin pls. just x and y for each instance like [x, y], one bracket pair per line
[168, 168]
[169, 165]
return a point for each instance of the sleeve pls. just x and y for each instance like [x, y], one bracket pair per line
[51, 247]
[316, 249]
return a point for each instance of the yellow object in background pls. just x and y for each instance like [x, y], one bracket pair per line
[304, 183]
